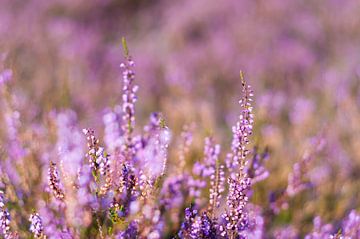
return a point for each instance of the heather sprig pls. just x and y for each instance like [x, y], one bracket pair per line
[236, 217]
[54, 182]
[5, 220]
[215, 171]
[36, 226]
[128, 105]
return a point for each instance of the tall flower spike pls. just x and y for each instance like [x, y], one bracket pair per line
[243, 128]
[54, 182]
[236, 218]
[128, 107]
[36, 226]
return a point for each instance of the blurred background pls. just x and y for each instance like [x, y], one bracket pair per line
[302, 59]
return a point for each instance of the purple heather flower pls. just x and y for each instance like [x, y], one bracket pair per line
[172, 192]
[297, 178]
[186, 230]
[54, 182]
[128, 107]
[5, 76]
[351, 225]
[256, 222]
[113, 132]
[235, 217]
[69, 143]
[98, 158]
[204, 227]
[256, 169]
[287, 232]
[36, 226]
[215, 171]
[184, 146]
[320, 230]
[242, 130]
[4, 218]
[154, 144]
[131, 231]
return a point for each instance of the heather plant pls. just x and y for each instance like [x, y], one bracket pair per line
[61, 181]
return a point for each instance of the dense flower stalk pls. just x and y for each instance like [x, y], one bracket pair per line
[236, 218]
[4, 218]
[128, 107]
[36, 226]
[215, 171]
[186, 230]
[98, 158]
[54, 182]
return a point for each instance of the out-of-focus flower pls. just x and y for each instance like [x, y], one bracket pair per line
[153, 148]
[130, 233]
[297, 181]
[256, 168]
[351, 225]
[286, 232]
[320, 230]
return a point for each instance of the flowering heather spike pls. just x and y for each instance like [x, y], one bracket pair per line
[4, 218]
[98, 158]
[36, 226]
[128, 107]
[243, 128]
[126, 192]
[216, 173]
[236, 218]
[54, 182]
[187, 225]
